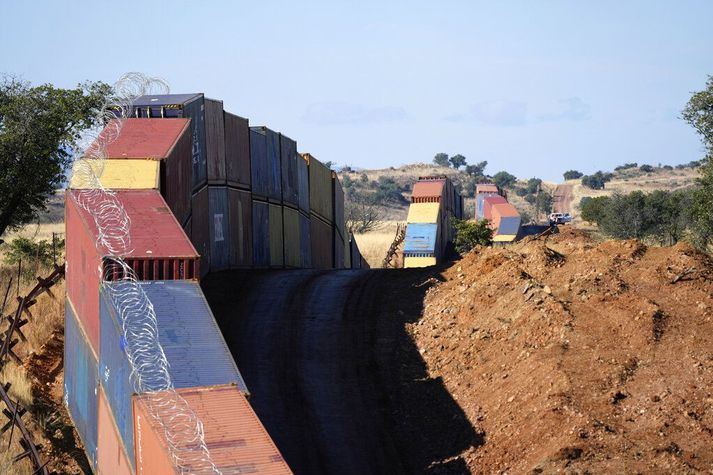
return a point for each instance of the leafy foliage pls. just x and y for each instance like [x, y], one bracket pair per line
[471, 233]
[457, 161]
[626, 166]
[596, 181]
[661, 215]
[503, 179]
[533, 185]
[34, 255]
[441, 159]
[388, 191]
[38, 125]
[699, 114]
[647, 168]
[476, 170]
[572, 175]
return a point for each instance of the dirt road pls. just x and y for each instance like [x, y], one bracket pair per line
[563, 199]
[332, 373]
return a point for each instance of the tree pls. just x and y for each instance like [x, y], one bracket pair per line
[533, 185]
[364, 179]
[362, 213]
[38, 127]
[388, 191]
[572, 175]
[504, 179]
[543, 203]
[477, 170]
[472, 233]
[441, 159]
[347, 182]
[596, 181]
[329, 164]
[699, 114]
[457, 161]
[647, 168]
[592, 209]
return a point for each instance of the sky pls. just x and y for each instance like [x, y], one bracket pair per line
[534, 88]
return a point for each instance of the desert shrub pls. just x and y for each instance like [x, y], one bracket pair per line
[472, 233]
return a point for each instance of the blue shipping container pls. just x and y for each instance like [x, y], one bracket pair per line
[219, 228]
[305, 241]
[190, 106]
[421, 238]
[261, 234]
[80, 382]
[288, 164]
[509, 225]
[259, 174]
[194, 347]
[273, 162]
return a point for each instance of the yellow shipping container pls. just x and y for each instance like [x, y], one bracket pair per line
[504, 237]
[117, 174]
[276, 241]
[410, 262]
[423, 213]
[321, 198]
[293, 257]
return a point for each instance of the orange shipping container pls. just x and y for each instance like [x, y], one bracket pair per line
[111, 454]
[235, 437]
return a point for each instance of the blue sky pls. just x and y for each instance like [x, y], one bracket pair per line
[534, 88]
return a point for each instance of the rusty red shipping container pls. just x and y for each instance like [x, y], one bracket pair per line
[167, 140]
[488, 203]
[428, 191]
[322, 241]
[240, 211]
[235, 437]
[200, 232]
[160, 249]
[237, 151]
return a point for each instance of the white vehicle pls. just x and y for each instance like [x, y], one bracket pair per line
[560, 218]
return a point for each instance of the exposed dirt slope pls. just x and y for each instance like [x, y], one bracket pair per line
[575, 356]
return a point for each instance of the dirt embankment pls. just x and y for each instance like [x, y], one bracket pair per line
[567, 355]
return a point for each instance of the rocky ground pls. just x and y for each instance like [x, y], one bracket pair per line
[572, 356]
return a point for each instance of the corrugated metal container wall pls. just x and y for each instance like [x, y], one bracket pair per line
[240, 209]
[111, 453]
[215, 141]
[421, 238]
[259, 167]
[188, 228]
[219, 228]
[322, 240]
[355, 254]
[261, 234]
[338, 217]
[429, 191]
[274, 167]
[277, 255]
[200, 230]
[237, 440]
[119, 175]
[424, 213]
[290, 178]
[80, 382]
[338, 250]
[194, 347]
[181, 105]
[293, 255]
[82, 269]
[305, 242]
[237, 151]
[488, 203]
[168, 141]
[303, 183]
[321, 197]
[348, 253]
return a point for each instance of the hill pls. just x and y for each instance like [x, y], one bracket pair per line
[571, 356]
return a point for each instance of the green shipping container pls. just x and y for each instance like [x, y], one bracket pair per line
[276, 233]
[293, 257]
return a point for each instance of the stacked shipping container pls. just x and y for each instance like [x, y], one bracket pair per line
[491, 204]
[245, 198]
[429, 228]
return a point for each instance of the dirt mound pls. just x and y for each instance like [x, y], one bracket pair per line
[575, 356]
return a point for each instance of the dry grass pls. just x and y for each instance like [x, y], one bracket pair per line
[374, 245]
[21, 386]
[23, 467]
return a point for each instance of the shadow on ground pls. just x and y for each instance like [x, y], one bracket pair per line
[333, 373]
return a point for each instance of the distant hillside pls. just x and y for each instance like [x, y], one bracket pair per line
[622, 181]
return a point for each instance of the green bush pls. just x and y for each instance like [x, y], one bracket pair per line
[572, 175]
[33, 254]
[472, 233]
